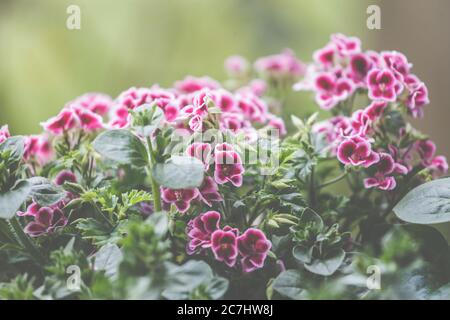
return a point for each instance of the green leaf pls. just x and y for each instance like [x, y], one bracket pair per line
[108, 259]
[16, 145]
[426, 204]
[289, 284]
[44, 192]
[309, 216]
[180, 172]
[303, 253]
[443, 293]
[121, 146]
[11, 200]
[217, 287]
[327, 265]
[185, 278]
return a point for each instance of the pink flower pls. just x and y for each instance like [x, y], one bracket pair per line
[382, 85]
[88, 120]
[417, 98]
[360, 65]
[134, 97]
[253, 246]
[253, 107]
[181, 198]
[284, 64]
[228, 166]
[209, 191]
[201, 151]
[357, 151]
[65, 176]
[224, 246]
[384, 168]
[224, 100]
[278, 124]
[32, 209]
[258, 87]
[426, 150]
[375, 110]
[65, 120]
[236, 66]
[95, 102]
[233, 122]
[396, 62]
[325, 56]
[346, 45]
[200, 229]
[46, 220]
[330, 91]
[438, 166]
[196, 123]
[38, 147]
[4, 133]
[120, 119]
[191, 84]
[360, 122]
[381, 182]
[170, 112]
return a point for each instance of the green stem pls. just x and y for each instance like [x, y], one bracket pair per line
[312, 190]
[101, 214]
[25, 241]
[337, 179]
[155, 187]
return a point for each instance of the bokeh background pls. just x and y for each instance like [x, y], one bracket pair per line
[142, 42]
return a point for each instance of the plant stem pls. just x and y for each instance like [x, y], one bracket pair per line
[155, 187]
[25, 241]
[312, 190]
[338, 178]
[101, 214]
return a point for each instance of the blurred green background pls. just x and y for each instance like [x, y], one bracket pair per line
[140, 43]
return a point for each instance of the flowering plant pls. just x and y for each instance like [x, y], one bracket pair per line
[198, 192]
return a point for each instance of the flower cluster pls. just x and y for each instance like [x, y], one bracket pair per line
[340, 72]
[341, 69]
[198, 104]
[227, 244]
[83, 113]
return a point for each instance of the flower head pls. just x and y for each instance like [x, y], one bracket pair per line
[236, 66]
[181, 198]
[253, 246]
[98, 103]
[224, 246]
[200, 229]
[201, 151]
[191, 84]
[228, 166]
[382, 85]
[46, 220]
[357, 151]
[209, 192]
[65, 176]
[38, 147]
[65, 120]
